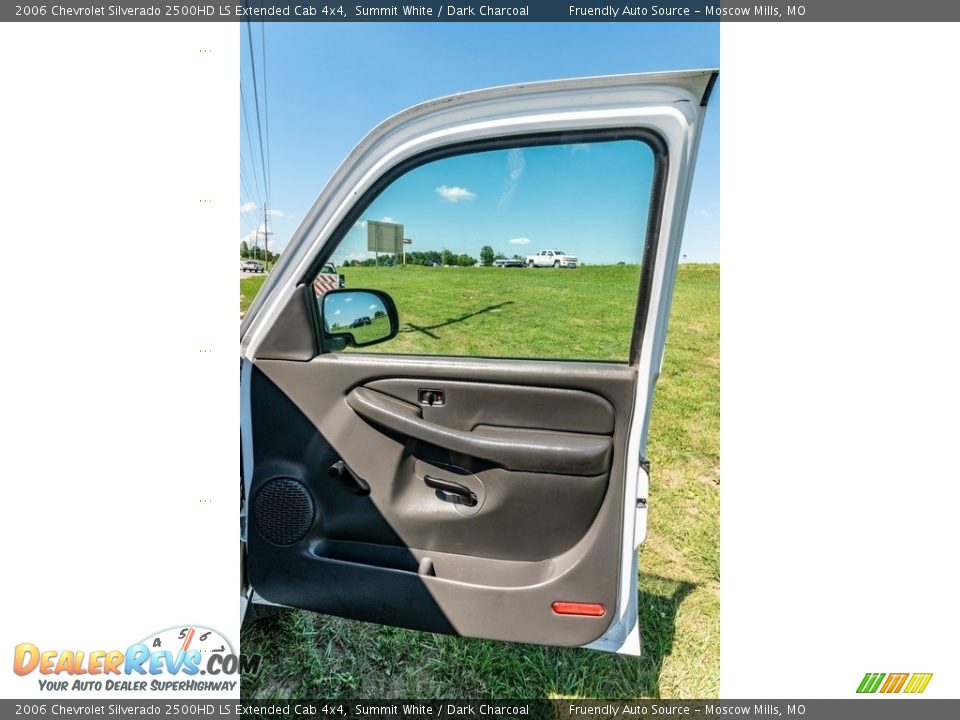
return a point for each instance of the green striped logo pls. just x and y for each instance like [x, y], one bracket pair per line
[894, 683]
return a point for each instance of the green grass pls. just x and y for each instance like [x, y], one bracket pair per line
[508, 312]
[307, 655]
[249, 287]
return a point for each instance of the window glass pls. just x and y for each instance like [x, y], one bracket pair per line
[529, 252]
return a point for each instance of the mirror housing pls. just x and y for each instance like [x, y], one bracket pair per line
[357, 318]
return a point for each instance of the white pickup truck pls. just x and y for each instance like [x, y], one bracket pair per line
[551, 258]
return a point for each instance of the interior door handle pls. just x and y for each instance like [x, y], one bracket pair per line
[340, 469]
[518, 449]
[465, 495]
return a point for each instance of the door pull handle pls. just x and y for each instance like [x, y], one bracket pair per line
[341, 470]
[457, 492]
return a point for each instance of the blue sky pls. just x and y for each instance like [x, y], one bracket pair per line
[588, 200]
[328, 84]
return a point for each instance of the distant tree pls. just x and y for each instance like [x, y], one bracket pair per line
[499, 256]
[465, 260]
[379, 314]
[517, 257]
[486, 255]
[244, 249]
[417, 257]
[428, 257]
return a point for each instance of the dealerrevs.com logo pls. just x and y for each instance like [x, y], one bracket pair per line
[178, 659]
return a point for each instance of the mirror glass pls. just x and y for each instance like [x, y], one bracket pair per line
[360, 314]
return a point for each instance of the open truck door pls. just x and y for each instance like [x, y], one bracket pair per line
[491, 497]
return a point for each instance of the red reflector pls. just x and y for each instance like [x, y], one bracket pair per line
[572, 608]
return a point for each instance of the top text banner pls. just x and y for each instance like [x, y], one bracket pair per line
[494, 11]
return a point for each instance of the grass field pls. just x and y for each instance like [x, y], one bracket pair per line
[563, 314]
[249, 287]
[509, 312]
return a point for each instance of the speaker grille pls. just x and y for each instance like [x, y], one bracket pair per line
[283, 511]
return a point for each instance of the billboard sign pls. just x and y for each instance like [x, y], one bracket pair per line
[384, 237]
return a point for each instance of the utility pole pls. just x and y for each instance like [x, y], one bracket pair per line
[266, 239]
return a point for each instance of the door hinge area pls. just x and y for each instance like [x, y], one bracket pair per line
[643, 492]
[643, 488]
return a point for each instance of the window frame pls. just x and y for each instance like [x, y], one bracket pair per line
[653, 139]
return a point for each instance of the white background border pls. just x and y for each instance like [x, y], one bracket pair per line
[839, 314]
[840, 384]
[119, 410]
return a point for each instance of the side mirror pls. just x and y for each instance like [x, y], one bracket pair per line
[357, 318]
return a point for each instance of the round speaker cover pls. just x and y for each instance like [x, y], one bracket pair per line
[283, 511]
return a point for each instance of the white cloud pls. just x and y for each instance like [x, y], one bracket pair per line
[519, 241]
[341, 259]
[455, 194]
[373, 307]
[251, 206]
[702, 213]
[251, 236]
[516, 164]
[362, 224]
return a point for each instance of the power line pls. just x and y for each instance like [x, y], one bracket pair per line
[244, 180]
[266, 114]
[246, 127]
[256, 104]
[263, 200]
[244, 183]
[250, 218]
[263, 162]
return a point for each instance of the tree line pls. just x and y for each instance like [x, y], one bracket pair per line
[414, 257]
[256, 253]
[433, 257]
